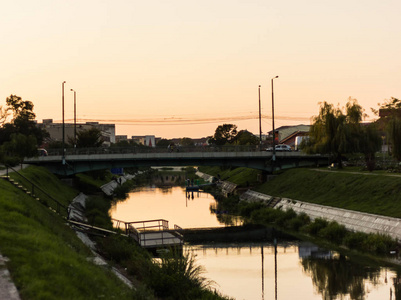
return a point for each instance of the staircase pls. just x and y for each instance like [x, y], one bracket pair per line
[36, 193]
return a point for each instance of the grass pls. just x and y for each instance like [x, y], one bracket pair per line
[243, 177]
[372, 194]
[47, 260]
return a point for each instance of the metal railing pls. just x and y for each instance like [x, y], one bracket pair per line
[138, 149]
[150, 232]
[39, 193]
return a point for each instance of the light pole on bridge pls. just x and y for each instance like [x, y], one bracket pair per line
[63, 131]
[75, 118]
[274, 133]
[260, 123]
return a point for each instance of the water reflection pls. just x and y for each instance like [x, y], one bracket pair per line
[292, 271]
[170, 203]
[258, 270]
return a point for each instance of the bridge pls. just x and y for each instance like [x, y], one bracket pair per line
[83, 159]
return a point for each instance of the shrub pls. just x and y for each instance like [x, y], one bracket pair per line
[379, 244]
[333, 232]
[355, 240]
[315, 226]
[285, 217]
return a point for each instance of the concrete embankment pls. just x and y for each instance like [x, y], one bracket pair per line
[226, 187]
[108, 188]
[352, 220]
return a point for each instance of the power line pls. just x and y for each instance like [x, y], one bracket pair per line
[187, 121]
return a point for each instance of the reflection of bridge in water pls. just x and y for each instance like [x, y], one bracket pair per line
[82, 159]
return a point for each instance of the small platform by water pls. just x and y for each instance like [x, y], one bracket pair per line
[152, 234]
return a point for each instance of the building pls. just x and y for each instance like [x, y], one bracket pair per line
[55, 130]
[288, 134]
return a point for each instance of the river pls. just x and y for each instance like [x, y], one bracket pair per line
[255, 271]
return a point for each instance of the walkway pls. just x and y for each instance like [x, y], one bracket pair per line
[8, 291]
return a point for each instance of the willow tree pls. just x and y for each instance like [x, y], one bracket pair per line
[336, 132]
[390, 122]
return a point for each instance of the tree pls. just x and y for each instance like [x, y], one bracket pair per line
[370, 143]
[22, 120]
[163, 143]
[89, 138]
[19, 147]
[390, 122]
[334, 132]
[187, 142]
[224, 134]
[244, 137]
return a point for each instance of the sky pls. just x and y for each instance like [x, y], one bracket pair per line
[181, 68]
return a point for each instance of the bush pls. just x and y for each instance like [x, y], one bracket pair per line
[285, 217]
[379, 244]
[334, 232]
[355, 240]
[317, 225]
[246, 209]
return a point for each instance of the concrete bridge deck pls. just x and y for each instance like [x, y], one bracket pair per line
[82, 160]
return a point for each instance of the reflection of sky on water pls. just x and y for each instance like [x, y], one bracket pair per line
[304, 271]
[237, 269]
[169, 203]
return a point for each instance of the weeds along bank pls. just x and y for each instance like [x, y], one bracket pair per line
[48, 261]
[324, 188]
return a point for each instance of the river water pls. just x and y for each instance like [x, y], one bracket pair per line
[259, 271]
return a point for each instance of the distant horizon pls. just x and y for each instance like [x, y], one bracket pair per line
[183, 67]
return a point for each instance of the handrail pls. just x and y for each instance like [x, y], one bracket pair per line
[139, 233]
[138, 149]
[34, 188]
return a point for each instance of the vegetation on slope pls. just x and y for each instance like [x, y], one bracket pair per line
[47, 260]
[371, 192]
[377, 194]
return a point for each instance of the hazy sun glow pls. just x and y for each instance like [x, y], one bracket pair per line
[181, 68]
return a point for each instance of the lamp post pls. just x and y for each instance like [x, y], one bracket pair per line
[274, 131]
[63, 137]
[75, 118]
[260, 123]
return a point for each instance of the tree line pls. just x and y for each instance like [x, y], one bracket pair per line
[335, 131]
[341, 131]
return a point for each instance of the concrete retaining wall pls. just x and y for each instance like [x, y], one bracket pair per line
[108, 188]
[252, 197]
[225, 186]
[352, 220]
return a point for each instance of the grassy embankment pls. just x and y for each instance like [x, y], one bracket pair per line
[376, 193]
[48, 261]
[361, 192]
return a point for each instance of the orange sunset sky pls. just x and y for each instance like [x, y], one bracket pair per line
[181, 68]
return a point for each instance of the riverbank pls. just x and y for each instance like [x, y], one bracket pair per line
[369, 233]
[378, 194]
[47, 260]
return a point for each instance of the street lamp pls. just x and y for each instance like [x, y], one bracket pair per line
[274, 133]
[260, 123]
[75, 118]
[63, 138]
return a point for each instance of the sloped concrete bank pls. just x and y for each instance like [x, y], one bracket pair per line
[77, 213]
[352, 220]
[108, 188]
[226, 187]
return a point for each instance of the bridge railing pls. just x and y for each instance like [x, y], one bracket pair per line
[144, 149]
